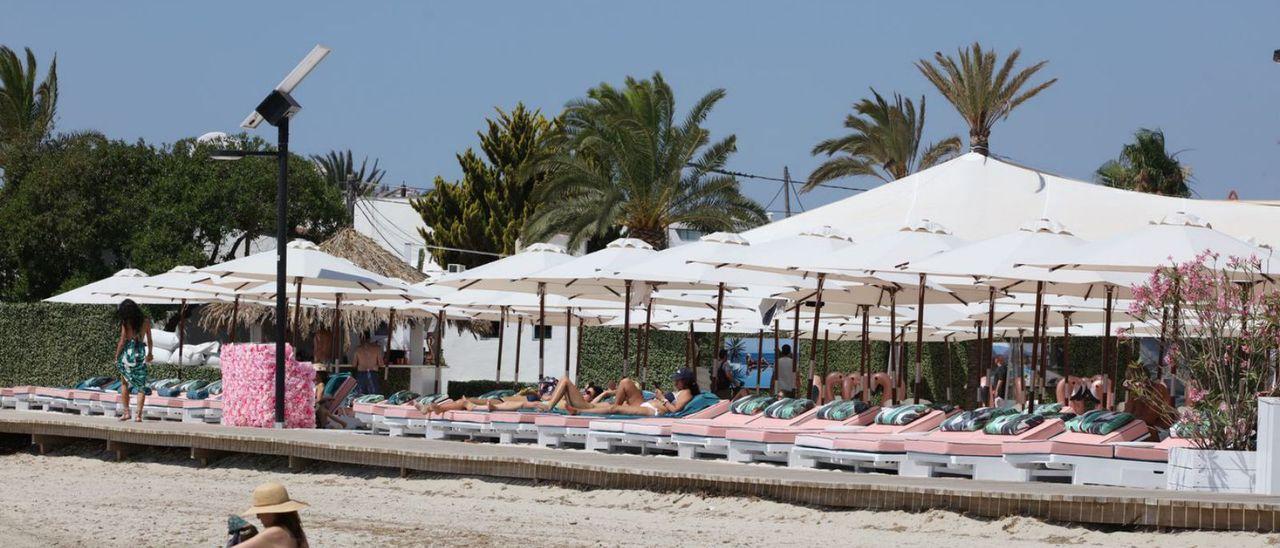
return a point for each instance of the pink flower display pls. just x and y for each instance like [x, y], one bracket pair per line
[248, 387]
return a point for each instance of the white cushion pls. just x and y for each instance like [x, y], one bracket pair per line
[191, 355]
[208, 348]
[167, 340]
[213, 361]
[160, 355]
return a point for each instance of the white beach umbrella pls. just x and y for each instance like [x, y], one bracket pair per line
[503, 273]
[307, 267]
[1176, 238]
[104, 291]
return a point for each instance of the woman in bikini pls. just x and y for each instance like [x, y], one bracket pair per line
[132, 355]
[632, 402]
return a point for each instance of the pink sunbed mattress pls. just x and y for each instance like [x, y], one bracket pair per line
[1154, 452]
[1078, 444]
[876, 438]
[810, 425]
[658, 426]
[979, 444]
[402, 412]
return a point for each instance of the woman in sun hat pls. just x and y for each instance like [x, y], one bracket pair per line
[279, 515]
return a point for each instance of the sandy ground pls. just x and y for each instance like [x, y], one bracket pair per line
[75, 497]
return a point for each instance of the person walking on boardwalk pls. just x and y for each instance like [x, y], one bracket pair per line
[132, 355]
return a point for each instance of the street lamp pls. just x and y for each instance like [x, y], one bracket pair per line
[276, 109]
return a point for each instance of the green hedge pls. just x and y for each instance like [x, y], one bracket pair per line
[458, 389]
[54, 344]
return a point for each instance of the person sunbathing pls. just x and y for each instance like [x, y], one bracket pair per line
[469, 404]
[630, 400]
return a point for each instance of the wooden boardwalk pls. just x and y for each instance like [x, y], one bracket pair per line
[1109, 506]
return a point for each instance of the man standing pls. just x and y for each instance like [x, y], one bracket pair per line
[784, 373]
[368, 361]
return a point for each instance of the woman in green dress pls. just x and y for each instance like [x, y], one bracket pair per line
[132, 355]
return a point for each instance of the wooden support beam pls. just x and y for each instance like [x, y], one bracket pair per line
[121, 450]
[297, 464]
[205, 457]
[45, 443]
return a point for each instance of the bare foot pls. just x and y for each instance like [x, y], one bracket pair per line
[124, 417]
[489, 405]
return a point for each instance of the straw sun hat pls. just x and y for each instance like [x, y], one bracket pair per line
[273, 498]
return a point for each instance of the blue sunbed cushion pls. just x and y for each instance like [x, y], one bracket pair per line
[402, 397]
[1012, 424]
[788, 408]
[331, 386]
[842, 410]
[1099, 421]
[702, 401]
[972, 421]
[92, 383]
[750, 405]
[902, 414]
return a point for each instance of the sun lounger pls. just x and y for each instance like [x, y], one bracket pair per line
[169, 400]
[758, 442]
[696, 438]
[648, 434]
[977, 454]
[17, 397]
[878, 447]
[1082, 457]
[363, 406]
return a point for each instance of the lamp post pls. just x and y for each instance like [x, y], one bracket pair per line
[276, 109]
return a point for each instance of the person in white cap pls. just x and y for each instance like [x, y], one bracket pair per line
[279, 515]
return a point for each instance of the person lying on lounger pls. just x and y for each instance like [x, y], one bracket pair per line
[630, 400]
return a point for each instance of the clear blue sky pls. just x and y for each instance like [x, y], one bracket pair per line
[411, 83]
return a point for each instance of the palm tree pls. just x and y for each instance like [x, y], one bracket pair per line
[885, 143]
[981, 93]
[1146, 166]
[623, 161]
[27, 106]
[340, 170]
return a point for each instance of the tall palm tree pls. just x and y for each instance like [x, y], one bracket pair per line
[340, 170]
[885, 143]
[624, 161]
[27, 105]
[1145, 165]
[982, 93]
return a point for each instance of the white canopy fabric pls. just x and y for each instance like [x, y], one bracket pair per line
[691, 266]
[500, 274]
[596, 273]
[786, 255]
[1174, 239]
[978, 197]
[307, 265]
[111, 290]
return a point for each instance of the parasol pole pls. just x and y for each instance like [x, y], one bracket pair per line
[715, 353]
[648, 318]
[919, 336]
[439, 350]
[866, 353]
[1108, 368]
[568, 343]
[991, 339]
[626, 326]
[759, 358]
[578, 355]
[817, 316]
[795, 335]
[893, 348]
[540, 331]
[519, 337]
[946, 345]
[502, 328]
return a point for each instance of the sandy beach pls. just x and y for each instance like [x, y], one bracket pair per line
[76, 497]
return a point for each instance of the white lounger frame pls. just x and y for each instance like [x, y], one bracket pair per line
[611, 441]
[691, 447]
[933, 465]
[755, 451]
[561, 436]
[1094, 470]
[861, 461]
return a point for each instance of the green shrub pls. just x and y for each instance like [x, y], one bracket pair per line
[54, 344]
[458, 389]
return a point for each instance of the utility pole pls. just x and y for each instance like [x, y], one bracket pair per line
[786, 190]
